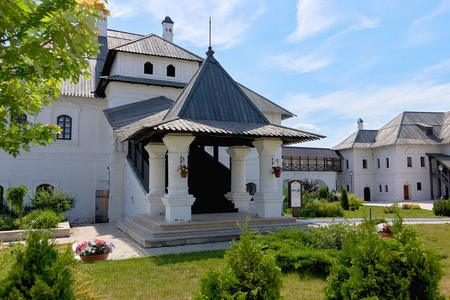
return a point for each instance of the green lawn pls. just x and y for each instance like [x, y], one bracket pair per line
[176, 276]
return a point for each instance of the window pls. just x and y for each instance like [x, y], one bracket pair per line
[380, 188]
[1, 197]
[44, 186]
[419, 186]
[378, 163]
[148, 68]
[348, 188]
[387, 162]
[346, 163]
[386, 188]
[429, 131]
[250, 188]
[422, 161]
[22, 119]
[170, 71]
[409, 162]
[65, 122]
[364, 163]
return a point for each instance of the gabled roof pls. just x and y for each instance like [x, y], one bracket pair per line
[213, 95]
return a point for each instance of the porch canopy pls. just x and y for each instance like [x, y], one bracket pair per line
[212, 110]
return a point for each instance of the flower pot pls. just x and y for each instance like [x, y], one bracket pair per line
[277, 175]
[95, 257]
[183, 175]
[385, 234]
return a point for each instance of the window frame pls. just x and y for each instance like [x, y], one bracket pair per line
[386, 188]
[419, 186]
[22, 119]
[150, 70]
[364, 163]
[170, 71]
[378, 163]
[422, 162]
[62, 135]
[387, 162]
[409, 161]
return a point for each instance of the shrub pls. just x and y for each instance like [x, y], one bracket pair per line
[354, 201]
[249, 273]
[344, 199]
[410, 206]
[14, 197]
[375, 268]
[441, 208]
[333, 196]
[39, 271]
[331, 236]
[54, 199]
[391, 209]
[323, 193]
[8, 223]
[320, 208]
[42, 219]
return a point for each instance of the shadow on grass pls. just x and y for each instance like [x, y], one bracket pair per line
[167, 259]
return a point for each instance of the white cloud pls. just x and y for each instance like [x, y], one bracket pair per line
[306, 126]
[445, 5]
[363, 23]
[298, 62]
[121, 10]
[230, 19]
[313, 16]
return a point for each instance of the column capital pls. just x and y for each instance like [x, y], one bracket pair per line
[267, 146]
[238, 152]
[178, 142]
[156, 149]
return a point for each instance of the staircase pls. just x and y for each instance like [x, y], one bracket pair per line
[204, 228]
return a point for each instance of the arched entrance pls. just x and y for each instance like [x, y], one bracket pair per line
[367, 194]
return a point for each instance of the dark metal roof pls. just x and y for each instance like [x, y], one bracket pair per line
[265, 105]
[213, 95]
[359, 139]
[167, 20]
[127, 114]
[117, 38]
[105, 80]
[310, 152]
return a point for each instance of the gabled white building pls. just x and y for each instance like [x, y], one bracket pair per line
[150, 106]
[407, 159]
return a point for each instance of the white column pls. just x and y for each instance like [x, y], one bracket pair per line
[157, 175]
[238, 194]
[116, 165]
[178, 201]
[269, 202]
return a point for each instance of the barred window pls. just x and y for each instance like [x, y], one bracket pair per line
[65, 122]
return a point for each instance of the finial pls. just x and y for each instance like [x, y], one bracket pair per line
[210, 52]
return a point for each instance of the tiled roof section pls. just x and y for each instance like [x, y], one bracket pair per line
[130, 113]
[359, 139]
[213, 95]
[221, 128]
[310, 152]
[153, 44]
[445, 131]
[117, 38]
[86, 87]
[265, 105]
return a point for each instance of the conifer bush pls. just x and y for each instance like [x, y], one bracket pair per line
[441, 207]
[14, 197]
[344, 199]
[250, 273]
[39, 271]
[323, 193]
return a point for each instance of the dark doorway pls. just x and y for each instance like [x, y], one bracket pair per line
[406, 192]
[366, 194]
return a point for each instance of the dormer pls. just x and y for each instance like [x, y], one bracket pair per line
[428, 129]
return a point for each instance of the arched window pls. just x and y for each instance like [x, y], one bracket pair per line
[170, 71]
[148, 68]
[65, 122]
[22, 119]
[251, 188]
[44, 186]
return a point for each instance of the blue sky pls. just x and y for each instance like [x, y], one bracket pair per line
[329, 62]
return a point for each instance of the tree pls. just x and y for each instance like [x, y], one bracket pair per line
[42, 43]
[344, 199]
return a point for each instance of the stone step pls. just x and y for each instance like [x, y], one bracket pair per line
[148, 235]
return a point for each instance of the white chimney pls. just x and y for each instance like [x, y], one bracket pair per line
[167, 24]
[360, 123]
[102, 25]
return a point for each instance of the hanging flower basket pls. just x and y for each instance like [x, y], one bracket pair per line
[183, 170]
[277, 171]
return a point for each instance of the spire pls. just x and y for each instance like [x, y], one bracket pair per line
[210, 51]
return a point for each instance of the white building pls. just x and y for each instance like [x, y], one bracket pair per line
[149, 107]
[407, 159]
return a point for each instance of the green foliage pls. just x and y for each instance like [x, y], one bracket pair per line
[410, 206]
[249, 273]
[54, 199]
[45, 219]
[14, 197]
[8, 223]
[323, 192]
[320, 208]
[41, 44]
[309, 186]
[354, 201]
[391, 209]
[375, 268]
[344, 199]
[39, 271]
[441, 208]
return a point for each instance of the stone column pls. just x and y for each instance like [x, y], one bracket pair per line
[238, 194]
[157, 175]
[116, 165]
[178, 201]
[269, 202]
